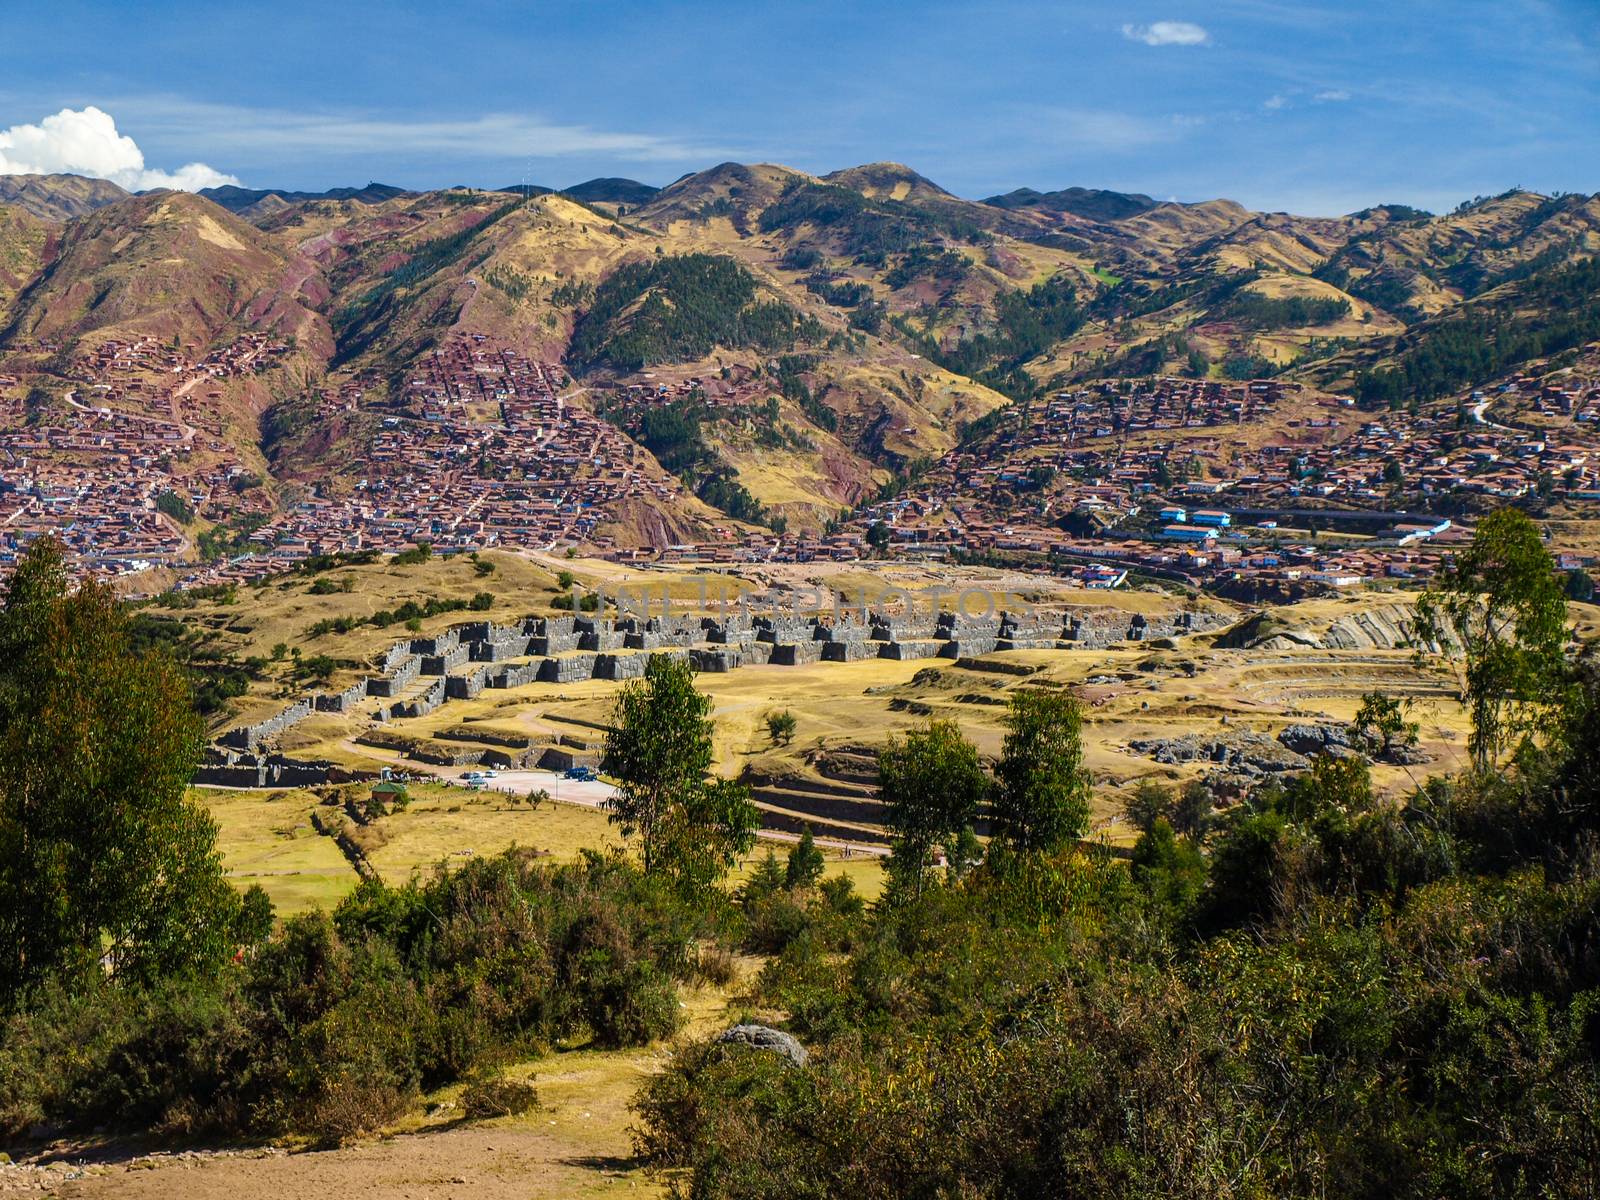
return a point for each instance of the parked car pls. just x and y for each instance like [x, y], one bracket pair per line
[586, 774]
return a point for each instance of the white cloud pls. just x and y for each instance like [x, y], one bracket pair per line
[1333, 96]
[1167, 33]
[86, 142]
[343, 134]
[1274, 103]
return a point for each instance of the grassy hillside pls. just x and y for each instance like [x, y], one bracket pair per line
[913, 310]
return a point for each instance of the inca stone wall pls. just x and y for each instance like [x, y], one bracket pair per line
[572, 649]
[406, 668]
[249, 736]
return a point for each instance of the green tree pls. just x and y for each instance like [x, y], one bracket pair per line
[932, 785]
[1042, 790]
[1499, 610]
[766, 880]
[780, 726]
[1151, 801]
[803, 867]
[690, 827]
[1170, 869]
[105, 864]
[1191, 815]
[1381, 724]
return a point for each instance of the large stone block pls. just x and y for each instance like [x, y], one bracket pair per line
[620, 666]
[968, 647]
[911, 650]
[793, 654]
[851, 651]
[445, 661]
[571, 668]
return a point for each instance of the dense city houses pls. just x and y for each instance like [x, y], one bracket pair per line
[478, 447]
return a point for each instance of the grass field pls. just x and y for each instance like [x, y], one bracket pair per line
[268, 838]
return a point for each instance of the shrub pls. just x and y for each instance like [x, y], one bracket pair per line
[716, 966]
[497, 1096]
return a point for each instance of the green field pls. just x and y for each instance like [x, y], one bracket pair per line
[267, 837]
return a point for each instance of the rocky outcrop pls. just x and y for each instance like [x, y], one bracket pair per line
[764, 1037]
[1379, 627]
[1241, 753]
[1316, 739]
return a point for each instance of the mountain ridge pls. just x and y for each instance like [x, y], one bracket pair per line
[922, 312]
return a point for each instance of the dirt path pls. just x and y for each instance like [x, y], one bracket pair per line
[481, 1162]
[575, 1144]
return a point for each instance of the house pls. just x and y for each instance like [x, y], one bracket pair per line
[1212, 517]
[389, 793]
[1188, 533]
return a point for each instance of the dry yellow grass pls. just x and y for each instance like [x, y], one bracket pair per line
[267, 838]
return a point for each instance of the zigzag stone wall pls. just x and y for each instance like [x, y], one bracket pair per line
[445, 661]
[466, 686]
[341, 701]
[573, 649]
[401, 674]
[247, 737]
[572, 668]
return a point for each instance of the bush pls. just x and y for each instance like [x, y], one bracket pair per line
[332, 1027]
[497, 1096]
[716, 966]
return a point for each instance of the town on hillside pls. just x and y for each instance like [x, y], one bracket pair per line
[1262, 485]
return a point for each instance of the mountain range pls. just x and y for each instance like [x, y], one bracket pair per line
[882, 314]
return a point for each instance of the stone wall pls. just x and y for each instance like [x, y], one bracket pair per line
[570, 669]
[339, 702]
[548, 626]
[783, 629]
[605, 637]
[901, 629]
[715, 661]
[968, 647]
[849, 651]
[394, 656]
[467, 685]
[794, 654]
[516, 675]
[439, 644]
[399, 677]
[620, 666]
[545, 644]
[511, 645]
[247, 737]
[734, 631]
[841, 631]
[910, 650]
[423, 704]
[445, 661]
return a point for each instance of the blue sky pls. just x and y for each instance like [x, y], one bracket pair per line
[1317, 108]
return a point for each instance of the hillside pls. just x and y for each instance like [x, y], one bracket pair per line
[169, 265]
[824, 334]
[25, 243]
[58, 197]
